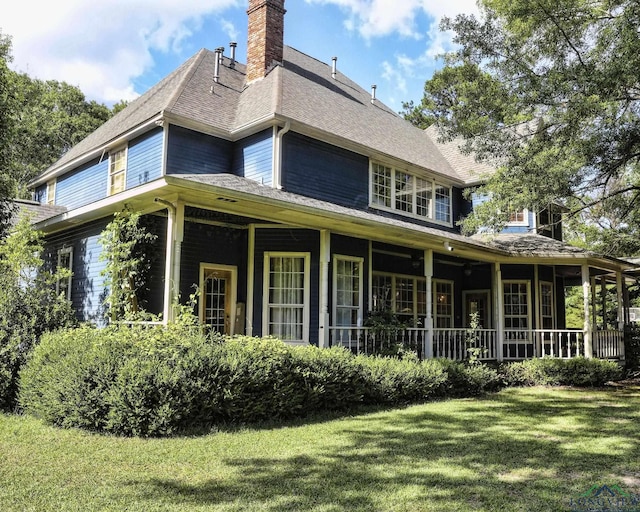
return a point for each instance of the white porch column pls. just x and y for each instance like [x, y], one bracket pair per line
[499, 310]
[175, 236]
[325, 257]
[250, 280]
[427, 349]
[621, 310]
[587, 327]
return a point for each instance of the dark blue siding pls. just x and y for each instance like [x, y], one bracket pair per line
[287, 240]
[87, 288]
[253, 157]
[191, 152]
[319, 170]
[204, 243]
[144, 158]
[84, 185]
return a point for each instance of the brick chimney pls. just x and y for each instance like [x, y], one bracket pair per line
[265, 36]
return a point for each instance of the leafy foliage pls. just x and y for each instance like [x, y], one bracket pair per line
[561, 372]
[125, 248]
[548, 93]
[29, 304]
[39, 122]
[159, 381]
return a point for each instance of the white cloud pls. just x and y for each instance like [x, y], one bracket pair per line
[100, 46]
[376, 18]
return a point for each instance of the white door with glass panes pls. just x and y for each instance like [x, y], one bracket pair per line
[218, 297]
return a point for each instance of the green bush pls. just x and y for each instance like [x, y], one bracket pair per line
[157, 381]
[561, 372]
[469, 379]
[398, 381]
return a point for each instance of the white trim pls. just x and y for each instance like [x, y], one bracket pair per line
[526, 282]
[487, 293]
[112, 152]
[525, 222]
[232, 270]
[554, 320]
[251, 269]
[434, 183]
[352, 259]
[306, 294]
[51, 187]
[435, 283]
[69, 279]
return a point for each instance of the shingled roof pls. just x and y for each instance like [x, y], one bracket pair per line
[301, 90]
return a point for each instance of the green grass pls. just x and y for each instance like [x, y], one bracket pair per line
[519, 450]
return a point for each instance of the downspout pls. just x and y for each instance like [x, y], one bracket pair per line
[277, 156]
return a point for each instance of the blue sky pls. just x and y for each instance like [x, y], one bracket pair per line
[117, 49]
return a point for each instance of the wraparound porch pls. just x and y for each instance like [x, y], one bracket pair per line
[488, 344]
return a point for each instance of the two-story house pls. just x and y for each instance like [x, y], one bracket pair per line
[297, 203]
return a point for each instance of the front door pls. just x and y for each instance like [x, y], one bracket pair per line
[218, 297]
[477, 302]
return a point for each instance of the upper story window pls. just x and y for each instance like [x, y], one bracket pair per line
[51, 192]
[519, 217]
[409, 194]
[117, 170]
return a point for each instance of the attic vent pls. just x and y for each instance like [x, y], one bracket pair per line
[226, 200]
[216, 65]
[233, 46]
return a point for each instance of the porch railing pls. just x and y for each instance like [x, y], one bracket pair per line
[457, 344]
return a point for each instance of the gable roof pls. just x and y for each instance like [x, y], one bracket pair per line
[300, 90]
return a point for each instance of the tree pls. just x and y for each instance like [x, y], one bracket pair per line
[7, 188]
[29, 303]
[548, 91]
[39, 121]
[51, 117]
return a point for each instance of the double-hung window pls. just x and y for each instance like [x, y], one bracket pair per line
[442, 304]
[286, 284]
[405, 296]
[117, 170]
[347, 286]
[409, 194]
[51, 192]
[65, 271]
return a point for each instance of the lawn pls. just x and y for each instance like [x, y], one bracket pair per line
[519, 450]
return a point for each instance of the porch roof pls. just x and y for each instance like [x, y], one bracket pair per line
[494, 248]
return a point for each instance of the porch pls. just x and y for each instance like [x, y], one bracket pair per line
[488, 344]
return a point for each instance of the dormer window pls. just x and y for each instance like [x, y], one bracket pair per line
[518, 217]
[117, 170]
[51, 192]
[409, 194]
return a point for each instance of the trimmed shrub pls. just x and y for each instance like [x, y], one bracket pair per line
[561, 372]
[399, 381]
[469, 379]
[160, 381]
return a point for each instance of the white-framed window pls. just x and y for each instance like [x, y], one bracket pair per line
[442, 304]
[519, 218]
[286, 297]
[51, 192]
[516, 305]
[409, 194]
[403, 295]
[547, 305]
[117, 170]
[347, 290]
[65, 263]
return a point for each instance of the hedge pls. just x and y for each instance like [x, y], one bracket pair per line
[161, 381]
